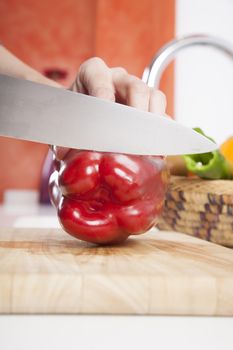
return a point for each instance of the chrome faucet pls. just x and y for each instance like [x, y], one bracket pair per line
[152, 74]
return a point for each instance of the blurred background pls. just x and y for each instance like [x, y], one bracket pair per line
[55, 37]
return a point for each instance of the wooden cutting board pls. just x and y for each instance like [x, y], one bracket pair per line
[165, 273]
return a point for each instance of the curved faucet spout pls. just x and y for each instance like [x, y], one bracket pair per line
[152, 74]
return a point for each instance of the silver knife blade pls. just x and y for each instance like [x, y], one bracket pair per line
[40, 113]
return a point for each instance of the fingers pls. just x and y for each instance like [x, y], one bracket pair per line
[134, 92]
[130, 90]
[138, 94]
[60, 152]
[157, 102]
[96, 78]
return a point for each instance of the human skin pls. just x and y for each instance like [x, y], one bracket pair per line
[94, 78]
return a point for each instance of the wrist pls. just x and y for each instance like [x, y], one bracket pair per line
[13, 66]
[37, 77]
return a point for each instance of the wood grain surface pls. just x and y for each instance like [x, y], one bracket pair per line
[162, 273]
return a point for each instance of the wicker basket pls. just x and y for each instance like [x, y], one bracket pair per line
[202, 208]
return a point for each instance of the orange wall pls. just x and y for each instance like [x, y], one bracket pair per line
[61, 34]
[129, 32]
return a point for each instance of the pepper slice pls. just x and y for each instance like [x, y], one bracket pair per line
[211, 165]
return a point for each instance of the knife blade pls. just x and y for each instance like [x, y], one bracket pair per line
[40, 113]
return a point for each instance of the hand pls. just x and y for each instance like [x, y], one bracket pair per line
[95, 78]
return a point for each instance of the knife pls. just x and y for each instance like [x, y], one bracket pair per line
[40, 113]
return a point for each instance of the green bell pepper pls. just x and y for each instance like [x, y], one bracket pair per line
[211, 165]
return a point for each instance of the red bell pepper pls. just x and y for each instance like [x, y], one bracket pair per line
[105, 197]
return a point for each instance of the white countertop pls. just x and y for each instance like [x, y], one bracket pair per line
[28, 216]
[115, 332]
[103, 332]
